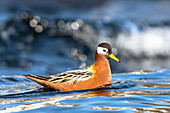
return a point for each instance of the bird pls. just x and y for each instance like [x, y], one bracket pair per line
[98, 75]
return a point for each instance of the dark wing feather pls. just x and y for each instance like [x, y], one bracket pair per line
[72, 76]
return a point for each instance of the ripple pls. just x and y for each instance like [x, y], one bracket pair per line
[135, 95]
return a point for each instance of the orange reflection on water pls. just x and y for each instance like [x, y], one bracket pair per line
[98, 93]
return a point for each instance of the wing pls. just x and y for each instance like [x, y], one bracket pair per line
[72, 76]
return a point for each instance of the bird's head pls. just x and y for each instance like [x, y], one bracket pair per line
[106, 49]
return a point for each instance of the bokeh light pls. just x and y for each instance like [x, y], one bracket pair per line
[44, 22]
[75, 25]
[38, 28]
[33, 23]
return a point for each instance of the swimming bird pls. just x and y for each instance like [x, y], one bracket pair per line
[95, 76]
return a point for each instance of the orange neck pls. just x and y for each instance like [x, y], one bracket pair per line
[101, 68]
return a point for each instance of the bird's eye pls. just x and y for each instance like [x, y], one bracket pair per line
[102, 50]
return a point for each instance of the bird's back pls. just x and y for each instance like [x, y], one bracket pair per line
[59, 81]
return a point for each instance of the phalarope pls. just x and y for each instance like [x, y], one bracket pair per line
[97, 75]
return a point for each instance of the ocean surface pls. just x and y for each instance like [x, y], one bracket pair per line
[44, 39]
[140, 91]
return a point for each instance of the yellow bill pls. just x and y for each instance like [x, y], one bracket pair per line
[114, 58]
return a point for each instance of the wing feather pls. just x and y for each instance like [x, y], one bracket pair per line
[72, 76]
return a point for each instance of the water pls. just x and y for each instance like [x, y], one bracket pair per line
[41, 39]
[139, 91]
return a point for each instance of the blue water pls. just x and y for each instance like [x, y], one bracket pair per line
[139, 91]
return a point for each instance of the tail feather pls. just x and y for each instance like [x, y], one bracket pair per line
[46, 78]
[43, 80]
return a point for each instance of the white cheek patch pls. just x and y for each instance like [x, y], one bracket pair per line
[102, 50]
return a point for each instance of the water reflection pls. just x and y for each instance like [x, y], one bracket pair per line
[52, 101]
[135, 110]
[98, 93]
[156, 85]
[40, 104]
[148, 95]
